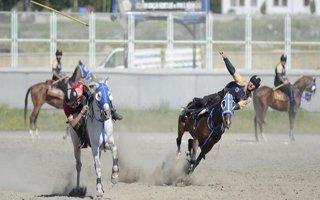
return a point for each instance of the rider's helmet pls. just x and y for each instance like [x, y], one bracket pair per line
[71, 97]
[255, 80]
[59, 52]
[283, 58]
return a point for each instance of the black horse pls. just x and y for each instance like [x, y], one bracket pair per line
[206, 131]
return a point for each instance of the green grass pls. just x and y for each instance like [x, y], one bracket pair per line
[162, 120]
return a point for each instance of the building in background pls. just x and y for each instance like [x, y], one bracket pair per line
[271, 6]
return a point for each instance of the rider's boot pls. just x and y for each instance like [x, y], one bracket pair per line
[115, 115]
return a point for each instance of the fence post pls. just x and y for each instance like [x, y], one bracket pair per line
[209, 38]
[53, 36]
[170, 39]
[288, 40]
[14, 35]
[92, 43]
[248, 56]
[131, 40]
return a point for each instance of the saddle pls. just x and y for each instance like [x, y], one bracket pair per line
[279, 95]
[53, 91]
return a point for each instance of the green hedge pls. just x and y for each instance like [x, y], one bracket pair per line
[162, 120]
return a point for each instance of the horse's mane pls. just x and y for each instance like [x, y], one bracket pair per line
[74, 75]
[302, 79]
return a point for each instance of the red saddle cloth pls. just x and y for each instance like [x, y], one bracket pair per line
[54, 91]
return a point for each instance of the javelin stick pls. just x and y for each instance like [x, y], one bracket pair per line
[61, 13]
[60, 79]
[279, 86]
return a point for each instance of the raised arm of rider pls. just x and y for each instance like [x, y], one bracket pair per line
[229, 66]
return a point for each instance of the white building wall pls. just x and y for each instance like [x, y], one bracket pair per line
[293, 7]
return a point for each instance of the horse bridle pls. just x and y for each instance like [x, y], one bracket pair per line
[308, 92]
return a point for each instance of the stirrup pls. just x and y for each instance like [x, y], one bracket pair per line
[203, 111]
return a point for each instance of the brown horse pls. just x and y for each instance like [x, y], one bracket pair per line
[206, 131]
[263, 97]
[39, 96]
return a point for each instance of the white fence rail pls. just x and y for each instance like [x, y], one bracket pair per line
[30, 39]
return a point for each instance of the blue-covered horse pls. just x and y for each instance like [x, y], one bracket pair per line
[100, 133]
[206, 130]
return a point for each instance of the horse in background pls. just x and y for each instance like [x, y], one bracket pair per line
[41, 94]
[99, 127]
[264, 97]
[206, 131]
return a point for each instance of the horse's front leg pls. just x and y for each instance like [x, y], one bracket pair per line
[292, 116]
[115, 165]
[201, 155]
[78, 191]
[195, 145]
[97, 165]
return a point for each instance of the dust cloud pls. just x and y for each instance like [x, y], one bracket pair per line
[138, 164]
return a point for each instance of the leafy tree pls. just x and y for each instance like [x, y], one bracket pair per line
[7, 5]
[216, 6]
[313, 7]
[263, 8]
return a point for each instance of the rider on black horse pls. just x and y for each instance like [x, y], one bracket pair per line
[281, 81]
[240, 89]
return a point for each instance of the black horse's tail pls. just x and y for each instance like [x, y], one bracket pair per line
[26, 105]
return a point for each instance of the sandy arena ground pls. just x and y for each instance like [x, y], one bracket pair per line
[236, 168]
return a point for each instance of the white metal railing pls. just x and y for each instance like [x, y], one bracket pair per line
[130, 41]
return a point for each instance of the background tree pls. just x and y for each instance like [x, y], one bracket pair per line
[7, 5]
[215, 6]
[313, 7]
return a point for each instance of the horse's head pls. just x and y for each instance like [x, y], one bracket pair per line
[227, 106]
[103, 100]
[310, 90]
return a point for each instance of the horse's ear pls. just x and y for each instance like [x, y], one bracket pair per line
[93, 85]
[106, 81]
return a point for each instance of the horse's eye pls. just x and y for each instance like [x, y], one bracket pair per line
[98, 96]
[223, 104]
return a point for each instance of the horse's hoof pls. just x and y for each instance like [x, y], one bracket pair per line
[188, 154]
[178, 155]
[78, 192]
[114, 178]
[100, 190]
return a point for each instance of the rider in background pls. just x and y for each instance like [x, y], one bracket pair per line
[281, 79]
[240, 89]
[75, 106]
[57, 71]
